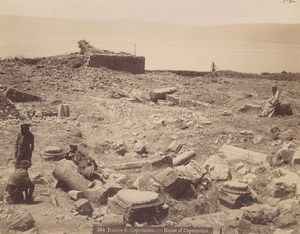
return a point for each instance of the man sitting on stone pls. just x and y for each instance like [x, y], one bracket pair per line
[272, 104]
[86, 165]
[19, 183]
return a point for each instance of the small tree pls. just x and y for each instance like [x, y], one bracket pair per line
[213, 67]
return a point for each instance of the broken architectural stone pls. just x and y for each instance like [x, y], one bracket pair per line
[75, 194]
[100, 192]
[65, 172]
[160, 94]
[218, 168]
[84, 207]
[53, 153]
[232, 153]
[175, 147]
[174, 184]
[63, 111]
[234, 195]
[22, 222]
[138, 206]
[19, 96]
[193, 170]
[250, 108]
[260, 213]
[183, 158]
[113, 220]
[147, 164]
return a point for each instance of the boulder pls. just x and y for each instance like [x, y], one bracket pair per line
[218, 168]
[22, 222]
[19, 96]
[283, 156]
[84, 207]
[287, 135]
[289, 206]
[283, 109]
[146, 183]
[260, 213]
[296, 157]
[274, 132]
[286, 185]
[140, 148]
[75, 195]
[285, 220]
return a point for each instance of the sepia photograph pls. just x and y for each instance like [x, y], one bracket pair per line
[150, 116]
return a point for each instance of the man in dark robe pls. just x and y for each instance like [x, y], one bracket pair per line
[24, 145]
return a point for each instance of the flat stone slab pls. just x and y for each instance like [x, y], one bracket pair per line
[232, 153]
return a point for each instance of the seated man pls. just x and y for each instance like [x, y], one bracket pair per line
[86, 165]
[272, 104]
[19, 183]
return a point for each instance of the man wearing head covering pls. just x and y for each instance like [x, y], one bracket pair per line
[272, 104]
[24, 145]
[86, 165]
[20, 183]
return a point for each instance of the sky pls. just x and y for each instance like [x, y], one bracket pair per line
[187, 12]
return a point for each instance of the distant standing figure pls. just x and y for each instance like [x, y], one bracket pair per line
[24, 145]
[273, 102]
[19, 183]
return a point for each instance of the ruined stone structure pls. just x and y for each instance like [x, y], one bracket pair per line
[115, 61]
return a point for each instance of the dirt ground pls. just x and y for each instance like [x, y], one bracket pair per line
[126, 114]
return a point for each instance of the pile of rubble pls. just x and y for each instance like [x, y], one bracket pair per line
[7, 109]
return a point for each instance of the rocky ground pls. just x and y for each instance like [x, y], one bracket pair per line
[111, 108]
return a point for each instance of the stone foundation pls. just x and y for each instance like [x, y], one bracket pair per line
[131, 64]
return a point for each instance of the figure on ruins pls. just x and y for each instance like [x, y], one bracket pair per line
[273, 103]
[86, 165]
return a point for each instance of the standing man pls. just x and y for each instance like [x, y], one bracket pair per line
[19, 183]
[24, 145]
